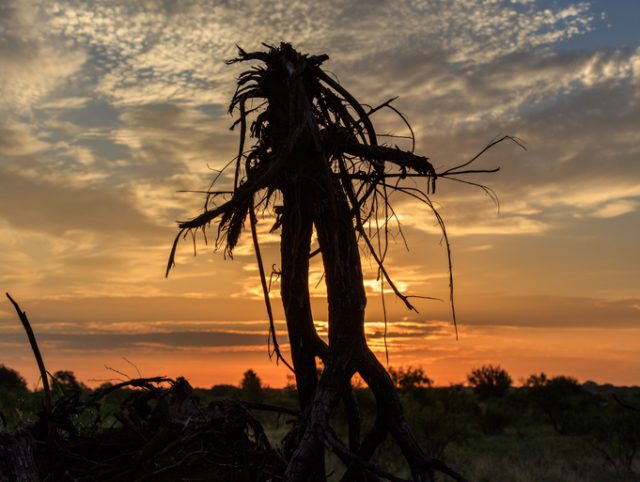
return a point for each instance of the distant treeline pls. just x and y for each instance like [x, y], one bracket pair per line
[549, 428]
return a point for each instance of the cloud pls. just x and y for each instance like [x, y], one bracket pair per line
[157, 51]
[554, 312]
[615, 209]
[33, 63]
[480, 222]
[165, 134]
[133, 309]
[17, 139]
[155, 341]
[41, 206]
[172, 147]
[470, 65]
[601, 198]
[133, 314]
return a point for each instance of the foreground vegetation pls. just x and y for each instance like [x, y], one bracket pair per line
[549, 429]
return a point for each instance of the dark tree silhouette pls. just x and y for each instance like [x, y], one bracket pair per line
[409, 378]
[489, 381]
[12, 389]
[317, 164]
[67, 380]
[11, 380]
[556, 397]
[251, 386]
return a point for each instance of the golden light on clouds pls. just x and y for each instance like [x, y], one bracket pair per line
[111, 109]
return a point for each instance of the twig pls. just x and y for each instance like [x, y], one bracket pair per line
[133, 365]
[455, 169]
[118, 372]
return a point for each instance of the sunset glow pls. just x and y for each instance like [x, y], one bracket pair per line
[112, 110]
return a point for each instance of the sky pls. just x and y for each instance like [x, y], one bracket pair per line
[109, 109]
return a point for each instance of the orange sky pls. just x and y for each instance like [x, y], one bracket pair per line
[108, 111]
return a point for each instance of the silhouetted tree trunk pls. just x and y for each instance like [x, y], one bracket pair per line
[316, 146]
[306, 345]
[348, 350]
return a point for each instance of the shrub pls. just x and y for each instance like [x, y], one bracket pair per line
[409, 378]
[560, 398]
[13, 390]
[251, 386]
[67, 381]
[489, 381]
[11, 380]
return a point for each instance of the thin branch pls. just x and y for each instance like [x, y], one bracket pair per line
[485, 149]
[265, 288]
[360, 228]
[448, 246]
[122, 374]
[136, 382]
[625, 405]
[487, 190]
[36, 353]
[421, 196]
[364, 118]
[384, 104]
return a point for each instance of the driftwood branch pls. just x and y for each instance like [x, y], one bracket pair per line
[36, 353]
[315, 149]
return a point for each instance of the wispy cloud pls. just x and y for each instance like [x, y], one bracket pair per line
[34, 63]
[615, 209]
[110, 107]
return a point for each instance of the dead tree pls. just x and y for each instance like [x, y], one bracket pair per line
[316, 163]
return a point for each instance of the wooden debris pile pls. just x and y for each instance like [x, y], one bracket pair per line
[160, 432]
